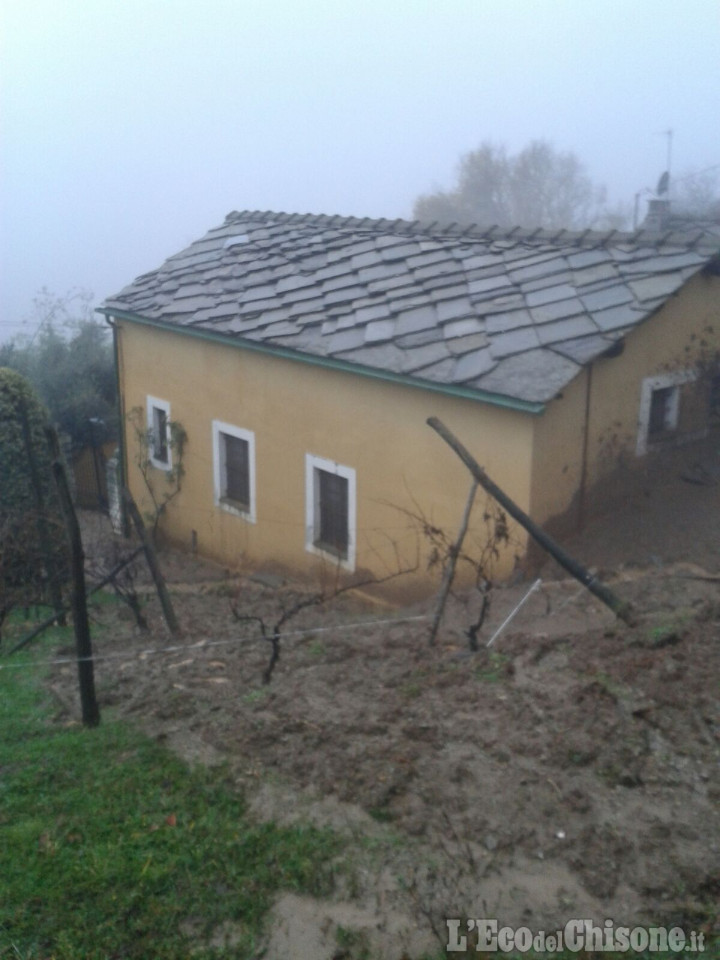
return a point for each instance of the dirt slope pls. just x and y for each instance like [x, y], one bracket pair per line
[571, 771]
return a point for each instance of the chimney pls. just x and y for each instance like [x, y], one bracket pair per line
[657, 217]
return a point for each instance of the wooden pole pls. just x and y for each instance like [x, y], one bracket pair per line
[151, 557]
[55, 617]
[449, 573]
[100, 496]
[619, 607]
[83, 643]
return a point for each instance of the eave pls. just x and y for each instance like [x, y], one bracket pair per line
[330, 363]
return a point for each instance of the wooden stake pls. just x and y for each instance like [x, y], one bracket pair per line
[619, 607]
[83, 643]
[151, 557]
[55, 617]
[449, 574]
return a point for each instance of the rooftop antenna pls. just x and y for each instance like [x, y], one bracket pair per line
[663, 187]
[662, 190]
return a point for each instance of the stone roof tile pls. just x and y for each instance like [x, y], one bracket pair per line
[397, 281]
[561, 291]
[377, 312]
[472, 365]
[607, 297]
[467, 343]
[507, 312]
[463, 328]
[419, 357]
[615, 317]
[535, 376]
[650, 288]
[382, 356]
[567, 329]
[584, 349]
[514, 341]
[379, 330]
[502, 322]
[453, 309]
[420, 318]
[417, 339]
[343, 295]
[492, 284]
[556, 311]
[343, 340]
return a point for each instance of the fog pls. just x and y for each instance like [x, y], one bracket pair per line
[129, 128]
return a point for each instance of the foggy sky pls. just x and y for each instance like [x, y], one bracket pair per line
[130, 127]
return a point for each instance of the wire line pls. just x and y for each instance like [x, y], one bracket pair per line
[203, 644]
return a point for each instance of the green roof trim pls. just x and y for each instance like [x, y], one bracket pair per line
[479, 396]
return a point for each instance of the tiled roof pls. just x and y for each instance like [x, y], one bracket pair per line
[515, 313]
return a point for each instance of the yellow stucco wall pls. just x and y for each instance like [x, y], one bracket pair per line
[557, 452]
[687, 327]
[376, 427]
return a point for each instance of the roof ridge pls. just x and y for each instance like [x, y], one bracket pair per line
[587, 237]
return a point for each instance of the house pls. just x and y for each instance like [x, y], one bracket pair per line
[302, 356]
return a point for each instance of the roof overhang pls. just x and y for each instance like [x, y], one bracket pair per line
[329, 363]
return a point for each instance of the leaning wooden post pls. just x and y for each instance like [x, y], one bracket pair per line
[83, 643]
[151, 557]
[36, 631]
[619, 607]
[449, 573]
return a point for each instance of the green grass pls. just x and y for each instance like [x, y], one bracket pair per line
[111, 847]
[352, 943]
[494, 669]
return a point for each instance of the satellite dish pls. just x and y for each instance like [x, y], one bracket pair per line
[663, 184]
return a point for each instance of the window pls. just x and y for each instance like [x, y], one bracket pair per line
[234, 469]
[663, 411]
[714, 398]
[660, 408]
[330, 510]
[158, 424]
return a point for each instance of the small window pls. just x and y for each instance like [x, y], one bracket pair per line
[659, 414]
[330, 509]
[332, 512]
[158, 424]
[715, 396]
[663, 410]
[234, 468]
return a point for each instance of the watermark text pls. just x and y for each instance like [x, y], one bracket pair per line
[488, 936]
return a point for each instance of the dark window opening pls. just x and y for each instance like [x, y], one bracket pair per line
[159, 435]
[332, 526]
[236, 476]
[715, 396]
[661, 410]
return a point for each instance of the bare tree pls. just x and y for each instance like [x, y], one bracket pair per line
[161, 493]
[110, 562]
[477, 551]
[271, 627]
[696, 195]
[538, 187]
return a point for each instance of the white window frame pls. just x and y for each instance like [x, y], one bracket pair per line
[649, 385]
[312, 512]
[219, 469]
[152, 404]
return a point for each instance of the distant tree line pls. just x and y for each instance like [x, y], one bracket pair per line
[543, 187]
[69, 362]
[33, 547]
[537, 187]
[696, 196]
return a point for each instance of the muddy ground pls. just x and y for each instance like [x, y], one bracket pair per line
[569, 771]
